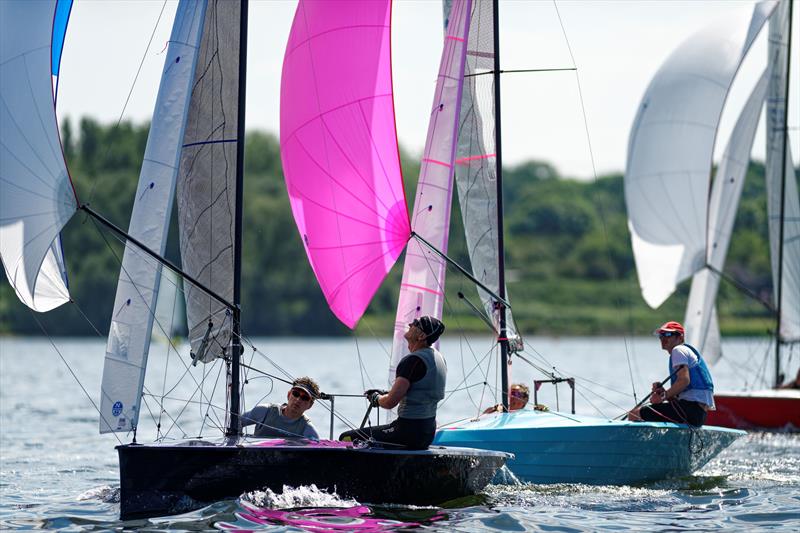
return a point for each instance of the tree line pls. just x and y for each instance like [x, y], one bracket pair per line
[568, 251]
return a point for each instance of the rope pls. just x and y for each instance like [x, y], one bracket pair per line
[558, 373]
[208, 408]
[78, 381]
[348, 423]
[601, 210]
[694, 432]
[187, 368]
[130, 92]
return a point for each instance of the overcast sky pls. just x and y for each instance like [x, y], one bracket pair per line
[617, 47]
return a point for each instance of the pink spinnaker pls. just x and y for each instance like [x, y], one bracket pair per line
[339, 148]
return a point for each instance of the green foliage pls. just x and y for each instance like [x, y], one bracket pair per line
[569, 262]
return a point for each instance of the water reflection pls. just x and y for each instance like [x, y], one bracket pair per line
[360, 518]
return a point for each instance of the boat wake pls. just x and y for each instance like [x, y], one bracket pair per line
[319, 519]
[578, 496]
[505, 476]
[294, 497]
[104, 493]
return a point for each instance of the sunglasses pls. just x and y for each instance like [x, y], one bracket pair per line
[668, 334]
[519, 395]
[297, 393]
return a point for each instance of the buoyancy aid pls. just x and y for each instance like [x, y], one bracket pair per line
[699, 376]
[424, 395]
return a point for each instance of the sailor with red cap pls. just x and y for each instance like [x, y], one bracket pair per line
[691, 391]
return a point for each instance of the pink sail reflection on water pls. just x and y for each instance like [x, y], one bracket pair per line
[358, 518]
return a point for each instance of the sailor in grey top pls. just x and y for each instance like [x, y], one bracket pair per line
[289, 419]
[417, 390]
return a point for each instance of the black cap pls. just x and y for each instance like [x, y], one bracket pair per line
[431, 326]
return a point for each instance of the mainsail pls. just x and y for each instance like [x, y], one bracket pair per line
[206, 189]
[422, 287]
[137, 290]
[701, 315]
[782, 182]
[339, 148]
[476, 163]
[670, 152]
[36, 194]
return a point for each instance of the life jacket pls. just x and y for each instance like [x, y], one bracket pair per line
[424, 395]
[699, 376]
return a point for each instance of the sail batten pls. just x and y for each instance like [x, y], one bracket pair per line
[36, 194]
[140, 276]
[339, 148]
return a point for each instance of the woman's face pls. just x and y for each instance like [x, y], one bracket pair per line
[518, 399]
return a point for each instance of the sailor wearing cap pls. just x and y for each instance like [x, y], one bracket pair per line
[288, 419]
[417, 390]
[691, 391]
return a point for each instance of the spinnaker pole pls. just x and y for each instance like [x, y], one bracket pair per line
[782, 218]
[155, 255]
[501, 276]
[236, 341]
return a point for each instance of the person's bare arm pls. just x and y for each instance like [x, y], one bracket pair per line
[395, 394]
[682, 381]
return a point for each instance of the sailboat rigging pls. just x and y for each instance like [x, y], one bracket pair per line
[462, 133]
[678, 92]
[587, 448]
[194, 158]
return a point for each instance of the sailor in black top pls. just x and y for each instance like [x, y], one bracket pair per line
[417, 389]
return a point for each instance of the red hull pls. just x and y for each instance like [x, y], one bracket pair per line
[751, 410]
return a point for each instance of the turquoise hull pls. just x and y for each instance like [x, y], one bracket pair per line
[551, 447]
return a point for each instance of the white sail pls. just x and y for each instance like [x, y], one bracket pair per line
[170, 313]
[422, 287]
[701, 325]
[36, 195]
[671, 147]
[207, 182]
[137, 290]
[777, 186]
[476, 163]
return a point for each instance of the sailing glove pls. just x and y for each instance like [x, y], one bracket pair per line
[374, 396]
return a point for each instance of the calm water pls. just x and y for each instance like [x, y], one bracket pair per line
[57, 472]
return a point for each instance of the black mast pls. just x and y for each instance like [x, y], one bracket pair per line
[782, 219]
[236, 342]
[501, 276]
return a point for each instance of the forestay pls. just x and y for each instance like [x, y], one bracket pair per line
[782, 181]
[36, 194]
[137, 289]
[701, 315]
[206, 191]
[476, 164]
[670, 151]
[422, 287]
[339, 148]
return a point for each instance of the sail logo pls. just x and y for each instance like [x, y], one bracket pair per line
[117, 408]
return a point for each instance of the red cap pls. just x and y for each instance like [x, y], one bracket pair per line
[670, 326]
